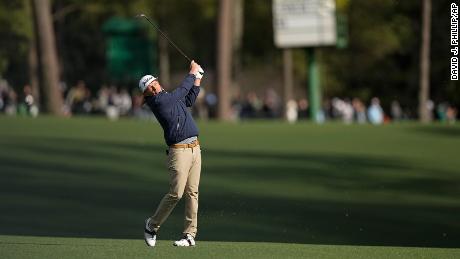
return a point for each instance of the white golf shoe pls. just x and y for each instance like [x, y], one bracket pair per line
[150, 236]
[187, 240]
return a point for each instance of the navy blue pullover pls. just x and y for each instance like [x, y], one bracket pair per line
[171, 111]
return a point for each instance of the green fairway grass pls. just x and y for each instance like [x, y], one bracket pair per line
[46, 247]
[86, 185]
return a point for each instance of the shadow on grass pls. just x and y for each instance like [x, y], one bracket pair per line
[83, 188]
[439, 130]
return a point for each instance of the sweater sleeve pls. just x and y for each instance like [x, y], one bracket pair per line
[180, 92]
[191, 96]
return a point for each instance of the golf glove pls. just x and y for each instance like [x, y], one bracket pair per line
[200, 74]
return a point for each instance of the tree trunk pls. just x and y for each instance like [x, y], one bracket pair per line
[33, 59]
[424, 112]
[164, 61]
[33, 71]
[163, 47]
[49, 63]
[224, 58]
[288, 78]
[237, 28]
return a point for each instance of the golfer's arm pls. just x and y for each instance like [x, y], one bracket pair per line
[182, 91]
[190, 98]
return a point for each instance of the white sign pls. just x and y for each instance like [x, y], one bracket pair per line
[304, 23]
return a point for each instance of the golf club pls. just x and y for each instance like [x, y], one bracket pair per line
[201, 71]
[164, 35]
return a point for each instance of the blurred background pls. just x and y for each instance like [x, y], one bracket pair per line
[85, 58]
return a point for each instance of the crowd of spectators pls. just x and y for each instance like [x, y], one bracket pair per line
[111, 101]
[115, 102]
[347, 110]
[12, 103]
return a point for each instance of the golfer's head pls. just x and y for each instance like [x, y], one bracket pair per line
[149, 85]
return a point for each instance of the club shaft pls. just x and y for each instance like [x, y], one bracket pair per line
[168, 39]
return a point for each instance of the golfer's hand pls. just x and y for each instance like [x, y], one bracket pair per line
[200, 73]
[194, 68]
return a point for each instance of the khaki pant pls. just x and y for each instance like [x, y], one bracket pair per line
[184, 165]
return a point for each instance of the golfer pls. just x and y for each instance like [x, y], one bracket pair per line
[184, 154]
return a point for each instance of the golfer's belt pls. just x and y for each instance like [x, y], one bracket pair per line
[191, 145]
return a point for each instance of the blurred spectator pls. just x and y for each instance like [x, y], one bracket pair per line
[441, 111]
[328, 109]
[359, 110]
[336, 108]
[8, 98]
[200, 107]
[78, 99]
[303, 108]
[347, 112]
[251, 106]
[451, 114]
[124, 102]
[375, 112]
[112, 111]
[211, 103]
[3, 95]
[396, 111]
[139, 110]
[27, 105]
[11, 104]
[430, 109]
[291, 111]
[272, 104]
[138, 101]
[343, 110]
[236, 106]
[102, 102]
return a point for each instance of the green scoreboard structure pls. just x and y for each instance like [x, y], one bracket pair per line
[131, 50]
[307, 24]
